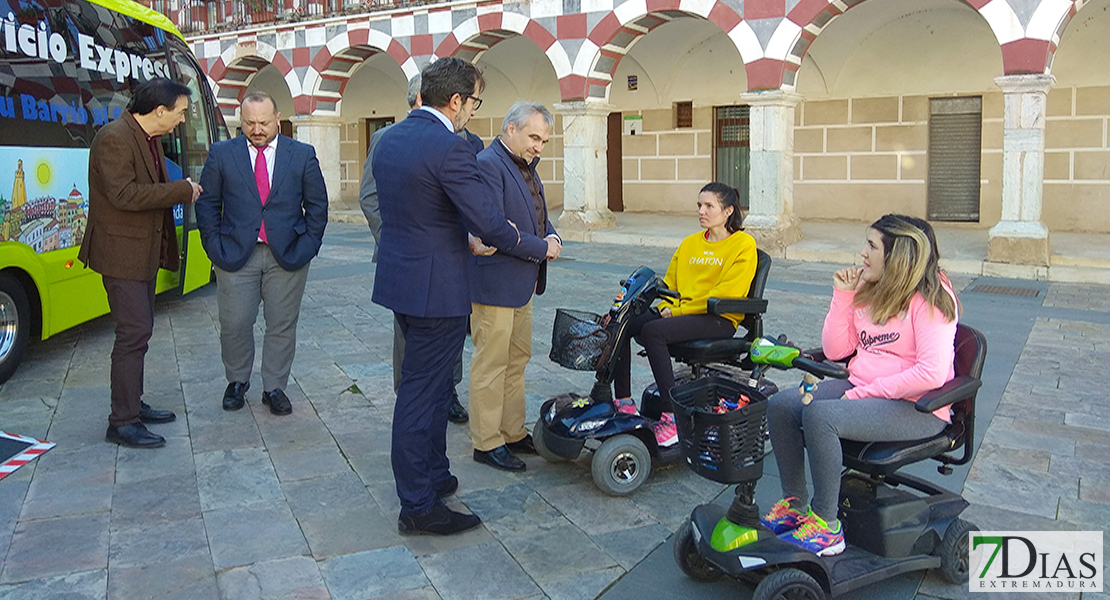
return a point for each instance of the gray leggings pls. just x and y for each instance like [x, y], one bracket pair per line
[819, 427]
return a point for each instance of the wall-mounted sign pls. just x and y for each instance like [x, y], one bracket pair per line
[633, 83]
[633, 125]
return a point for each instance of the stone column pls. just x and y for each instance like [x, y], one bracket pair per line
[771, 219]
[585, 171]
[323, 134]
[1019, 237]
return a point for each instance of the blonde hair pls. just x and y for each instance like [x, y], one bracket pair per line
[910, 266]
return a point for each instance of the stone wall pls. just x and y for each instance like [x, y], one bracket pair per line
[1077, 160]
[664, 167]
[859, 158]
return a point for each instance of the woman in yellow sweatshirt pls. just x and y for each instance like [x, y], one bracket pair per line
[715, 263]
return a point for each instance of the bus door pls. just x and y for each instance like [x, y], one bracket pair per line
[188, 147]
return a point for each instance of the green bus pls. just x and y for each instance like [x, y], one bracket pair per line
[66, 69]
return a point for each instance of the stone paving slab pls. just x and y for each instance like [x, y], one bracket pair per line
[389, 572]
[295, 578]
[250, 505]
[187, 578]
[34, 554]
[87, 585]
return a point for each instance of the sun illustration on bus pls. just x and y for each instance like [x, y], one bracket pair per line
[42, 172]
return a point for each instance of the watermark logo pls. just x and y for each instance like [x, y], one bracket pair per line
[1035, 561]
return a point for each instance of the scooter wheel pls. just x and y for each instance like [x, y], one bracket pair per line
[789, 584]
[621, 465]
[541, 449]
[689, 561]
[954, 565]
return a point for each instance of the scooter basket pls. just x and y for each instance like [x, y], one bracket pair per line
[723, 447]
[578, 339]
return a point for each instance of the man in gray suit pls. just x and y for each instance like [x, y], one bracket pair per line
[368, 201]
[261, 219]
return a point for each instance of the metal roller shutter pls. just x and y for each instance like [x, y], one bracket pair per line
[955, 147]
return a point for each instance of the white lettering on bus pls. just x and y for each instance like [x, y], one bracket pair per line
[39, 42]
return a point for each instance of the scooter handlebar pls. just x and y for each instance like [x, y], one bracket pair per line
[784, 355]
[821, 369]
[667, 292]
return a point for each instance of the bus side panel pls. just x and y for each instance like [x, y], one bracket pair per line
[198, 269]
[75, 301]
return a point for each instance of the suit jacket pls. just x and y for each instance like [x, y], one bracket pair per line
[430, 194]
[229, 211]
[509, 278]
[368, 189]
[131, 231]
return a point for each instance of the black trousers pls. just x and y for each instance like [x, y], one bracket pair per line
[655, 333]
[132, 306]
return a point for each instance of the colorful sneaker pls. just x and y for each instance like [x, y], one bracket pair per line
[666, 432]
[782, 518]
[626, 406]
[814, 535]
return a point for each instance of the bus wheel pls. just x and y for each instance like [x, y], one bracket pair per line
[15, 324]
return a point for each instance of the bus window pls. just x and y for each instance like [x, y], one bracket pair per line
[192, 138]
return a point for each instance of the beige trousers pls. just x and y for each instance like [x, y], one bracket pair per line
[502, 347]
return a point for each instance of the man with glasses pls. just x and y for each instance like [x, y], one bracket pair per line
[368, 201]
[430, 194]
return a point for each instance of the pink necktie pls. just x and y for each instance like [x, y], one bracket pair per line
[262, 180]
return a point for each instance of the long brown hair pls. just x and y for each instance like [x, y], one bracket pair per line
[910, 265]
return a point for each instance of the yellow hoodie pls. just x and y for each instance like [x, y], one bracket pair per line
[701, 270]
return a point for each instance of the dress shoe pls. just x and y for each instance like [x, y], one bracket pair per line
[440, 520]
[457, 413]
[447, 487]
[135, 435]
[235, 396]
[500, 458]
[522, 446]
[149, 415]
[278, 402]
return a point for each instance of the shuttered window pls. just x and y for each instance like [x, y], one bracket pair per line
[733, 148]
[683, 115]
[955, 147]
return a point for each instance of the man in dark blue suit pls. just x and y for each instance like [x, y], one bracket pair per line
[502, 285]
[368, 201]
[261, 220]
[430, 194]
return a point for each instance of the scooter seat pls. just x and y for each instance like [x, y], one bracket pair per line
[703, 352]
[884, 458]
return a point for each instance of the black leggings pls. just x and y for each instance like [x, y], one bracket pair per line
[655, 333]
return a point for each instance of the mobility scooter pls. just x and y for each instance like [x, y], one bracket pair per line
[624, 445]
[889, 529]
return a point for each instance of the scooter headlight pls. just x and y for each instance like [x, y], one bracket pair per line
[588, 426]
[751, 562]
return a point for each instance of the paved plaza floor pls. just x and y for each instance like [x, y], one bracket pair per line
[247, 505]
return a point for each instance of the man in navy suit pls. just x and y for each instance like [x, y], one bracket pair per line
[261, 219]
[430, 194]
[501, 288]
[368, 201]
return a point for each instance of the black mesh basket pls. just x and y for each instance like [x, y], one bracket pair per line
[726, 447]
[578, 339]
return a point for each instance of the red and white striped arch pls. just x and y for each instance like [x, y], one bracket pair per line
[584, 48]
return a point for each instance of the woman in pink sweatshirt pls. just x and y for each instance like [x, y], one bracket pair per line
[898, 315]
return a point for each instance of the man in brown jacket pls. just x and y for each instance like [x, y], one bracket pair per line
[131, 233]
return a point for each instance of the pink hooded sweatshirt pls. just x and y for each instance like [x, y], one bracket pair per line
[909, 355]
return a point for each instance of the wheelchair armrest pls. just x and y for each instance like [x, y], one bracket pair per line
[958, 389]
[730, 306]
